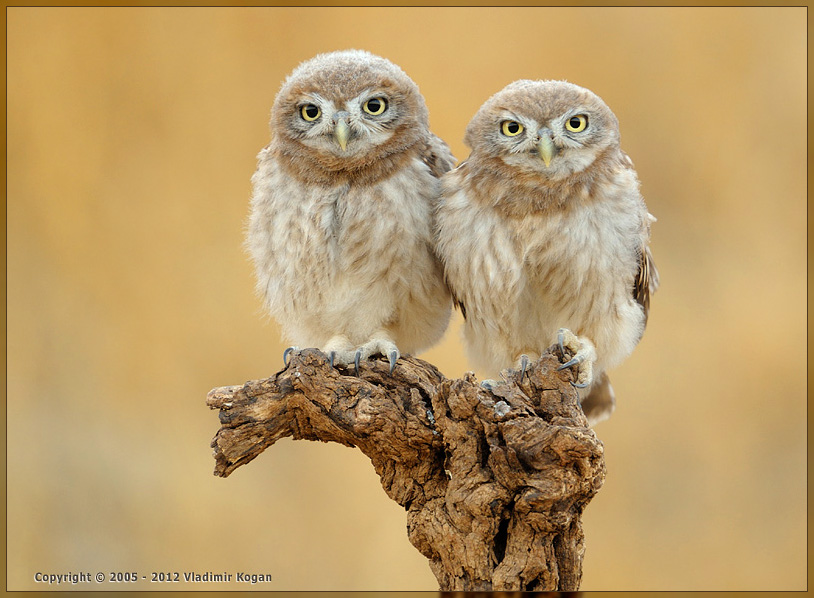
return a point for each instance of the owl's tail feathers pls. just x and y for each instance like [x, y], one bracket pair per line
[600, 402]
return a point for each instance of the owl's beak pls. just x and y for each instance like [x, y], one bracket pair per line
[341, 129]
[546, 147]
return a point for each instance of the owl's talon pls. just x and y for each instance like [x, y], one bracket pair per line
[575, 385]
[524, 364]
[575, 361]
[393, 358]
[287, 353]
[356, 359]
[331, 358]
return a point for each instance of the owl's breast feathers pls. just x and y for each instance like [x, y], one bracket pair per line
[594, 225]
[322, 251]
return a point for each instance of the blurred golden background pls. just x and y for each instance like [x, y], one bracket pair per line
[132, 135]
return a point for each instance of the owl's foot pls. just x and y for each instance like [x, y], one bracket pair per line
[339, 351]
[584, 356]
[287, 353]
[377, 346]
[339, 357]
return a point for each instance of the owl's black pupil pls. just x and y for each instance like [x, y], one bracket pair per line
[374, 105]
[311, 111]
[575, 123]
[513, 127]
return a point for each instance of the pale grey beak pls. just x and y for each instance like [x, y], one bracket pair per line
[341, 129]
[546, 146]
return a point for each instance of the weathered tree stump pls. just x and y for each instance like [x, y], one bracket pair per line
[494, 480]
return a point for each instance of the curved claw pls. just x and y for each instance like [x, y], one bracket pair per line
[524, 364]
[574, 361]
[560, 341]
[331, 358]
[393, 357]
[356, 360]
[286, 353]
[575, 385]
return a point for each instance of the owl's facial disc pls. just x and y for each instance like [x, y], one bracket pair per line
[347, 131]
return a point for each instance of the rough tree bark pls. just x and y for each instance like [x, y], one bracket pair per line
[494, 480]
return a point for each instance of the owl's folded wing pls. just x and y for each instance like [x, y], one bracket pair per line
[647, 280]
[437, 156]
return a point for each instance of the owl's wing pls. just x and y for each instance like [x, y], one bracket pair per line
[647, 280]
[437, 156]
[457, 303]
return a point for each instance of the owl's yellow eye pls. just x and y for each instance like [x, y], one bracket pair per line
[511, 128]
[375, 106]
[310, 112]
[577, 123]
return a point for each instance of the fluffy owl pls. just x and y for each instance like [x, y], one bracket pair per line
[544, 236]
[341, 229]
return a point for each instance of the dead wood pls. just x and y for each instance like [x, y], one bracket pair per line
[494, 480]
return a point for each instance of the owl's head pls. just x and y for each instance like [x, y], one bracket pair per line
[549, 128]
[345, 110]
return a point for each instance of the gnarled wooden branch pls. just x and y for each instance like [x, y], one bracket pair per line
[494, 480]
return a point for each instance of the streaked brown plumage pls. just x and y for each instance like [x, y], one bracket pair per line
[341, 221]
[544, 234]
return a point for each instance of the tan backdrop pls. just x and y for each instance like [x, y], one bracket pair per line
[132, 134]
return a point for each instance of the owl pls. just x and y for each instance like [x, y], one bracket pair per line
[341, 223]
[544, 236]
